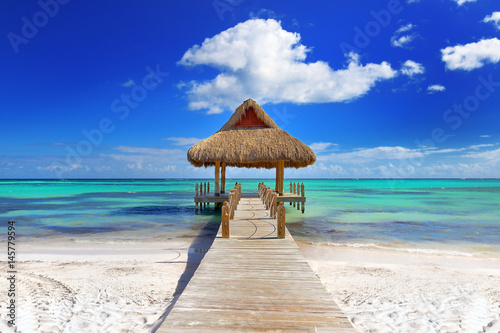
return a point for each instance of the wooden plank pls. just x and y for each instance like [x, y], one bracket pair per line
[255, 282]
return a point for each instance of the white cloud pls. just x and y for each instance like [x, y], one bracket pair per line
[318, 147]
[473, 55]
[411, 68]
[485, 136]
[435, 88]
[263, 14]
[461, 2]
[401, 41]
[157, 156]
[179, 141]
[259, 59]
[63, 168]
[491, 155]
[129, 83]
[405, 28]
[493, 18]
[366, 155]
[429, 150]
[401, 38]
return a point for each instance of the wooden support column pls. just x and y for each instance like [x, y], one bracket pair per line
[223, 178]
[282, 178]
[217, 172]
[276, 187]
[294, 191]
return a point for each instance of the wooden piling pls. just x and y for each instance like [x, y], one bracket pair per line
[196, 195]
[302, 193]
[225, 220]
[204, 192]
[298, 193]
[294, 191]
[281, 220]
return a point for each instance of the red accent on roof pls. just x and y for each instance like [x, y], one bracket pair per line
[250, 119]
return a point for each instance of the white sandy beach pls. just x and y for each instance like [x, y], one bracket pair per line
[127, 287]
[388, 291]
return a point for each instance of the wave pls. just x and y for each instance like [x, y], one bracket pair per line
[491, 254]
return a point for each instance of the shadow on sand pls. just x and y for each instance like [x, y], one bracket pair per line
[200, 245]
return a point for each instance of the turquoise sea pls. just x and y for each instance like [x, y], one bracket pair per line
[459, 216]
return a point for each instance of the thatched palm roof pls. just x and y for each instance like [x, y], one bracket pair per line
[259, 146]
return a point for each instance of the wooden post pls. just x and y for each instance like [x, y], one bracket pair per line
[204, 193]
[298, 193]
[223, 178]
[291, 188]
[274, 200]
[196, 195]
[304, 203]
[281, 220]
[235, 191]
[231, 204]
[268, 197]
[225, 220]
[201, 194]
[294, 193]
[217, 172]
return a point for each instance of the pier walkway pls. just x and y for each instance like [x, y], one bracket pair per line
[255, 282]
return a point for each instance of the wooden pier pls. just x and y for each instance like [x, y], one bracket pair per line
[255, 282]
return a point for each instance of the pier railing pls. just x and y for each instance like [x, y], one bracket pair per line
[200, 190]
[297, 188]
[270, 200]
[228, 208]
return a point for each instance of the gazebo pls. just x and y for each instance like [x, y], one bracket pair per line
[250, 139]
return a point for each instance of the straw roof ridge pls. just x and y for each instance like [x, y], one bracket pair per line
[241, 111]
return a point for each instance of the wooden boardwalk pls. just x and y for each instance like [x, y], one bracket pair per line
[254, 282]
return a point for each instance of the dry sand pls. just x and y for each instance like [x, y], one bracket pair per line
[390, 291]
[128, 287]
[72, 287]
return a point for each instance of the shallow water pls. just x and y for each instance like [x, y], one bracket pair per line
[441, 216]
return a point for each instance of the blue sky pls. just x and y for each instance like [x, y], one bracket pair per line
[390, 89]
